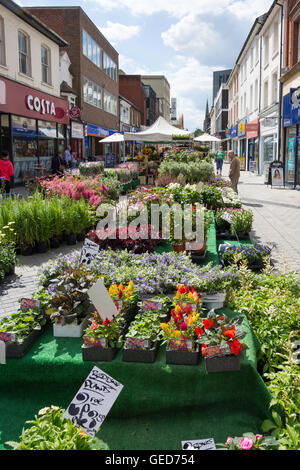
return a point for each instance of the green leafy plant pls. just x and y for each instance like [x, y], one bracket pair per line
[250, 441]
[51, 431]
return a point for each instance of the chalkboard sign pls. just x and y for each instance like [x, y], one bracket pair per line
[110, 160]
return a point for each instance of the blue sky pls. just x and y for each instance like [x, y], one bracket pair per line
[185, 40]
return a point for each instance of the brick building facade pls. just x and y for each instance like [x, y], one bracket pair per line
[131, 87]
[94, 66]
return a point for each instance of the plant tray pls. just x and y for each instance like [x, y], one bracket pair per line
[222, 364]
[90, 353]
[70, 331]
[198, 258]
[183, 358]
[140, 355]
[227, 235]
[16, 350]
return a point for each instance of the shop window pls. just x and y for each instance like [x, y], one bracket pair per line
[2, 42]
[47, 129]
[24, 53]
[45, 62]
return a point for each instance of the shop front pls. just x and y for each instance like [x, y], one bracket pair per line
[234, 140]
[94, 150]
[252, 135]
[33, 128]
[291, 125]
[242, 155]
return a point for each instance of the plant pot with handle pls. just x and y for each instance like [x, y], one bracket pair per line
[213, 301]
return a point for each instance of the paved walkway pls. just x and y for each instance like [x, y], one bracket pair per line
[276, 218]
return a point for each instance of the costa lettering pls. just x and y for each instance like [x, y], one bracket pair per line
[41, 106]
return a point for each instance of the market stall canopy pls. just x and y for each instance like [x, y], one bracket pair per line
[207, 138]
[116, 137]
[160, 131]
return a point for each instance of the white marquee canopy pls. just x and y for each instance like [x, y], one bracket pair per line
[207, 138]
[160, 131]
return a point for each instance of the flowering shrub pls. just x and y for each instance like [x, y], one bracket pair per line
[250, 441]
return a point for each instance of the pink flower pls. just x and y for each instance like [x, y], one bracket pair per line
[246, 443]
[259, 437]
[229, 439]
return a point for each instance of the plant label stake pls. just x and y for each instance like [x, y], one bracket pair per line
[227, 217]
[89, 252]
[102, 301]
[202, 444]
[2, 353]
[93, 401]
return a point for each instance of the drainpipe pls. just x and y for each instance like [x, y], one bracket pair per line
[280, 87]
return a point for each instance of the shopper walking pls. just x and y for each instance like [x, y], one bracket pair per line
[6, 170]
[57, 164]
[234, 171]
[68, 157]
[220, 155]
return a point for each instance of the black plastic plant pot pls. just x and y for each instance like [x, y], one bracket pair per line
[140, 355]
[55, 242]
[80, 236]
[42, 247]
[222, 364]
[27, 250]
[90, 353]
[71, 239]
[198, 258]
[183, 358]
[16, 350]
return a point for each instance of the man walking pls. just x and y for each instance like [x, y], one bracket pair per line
[220, 160]
[234, 171]
[68, 157]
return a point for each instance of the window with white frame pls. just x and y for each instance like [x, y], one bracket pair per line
[266, 94]
[275, 87]
[251, 58]
[110, 103]
[257, 51]
[275, 38]
[245, 104]
[91, 49]
[109, 67]
[2, 42]
[266, 49]
[24, 53]
[92, 93]
[251, 98]
[45, 61]
[256, 94]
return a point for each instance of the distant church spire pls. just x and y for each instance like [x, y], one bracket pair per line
[206, 122]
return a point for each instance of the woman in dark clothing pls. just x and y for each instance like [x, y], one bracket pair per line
[57, 163]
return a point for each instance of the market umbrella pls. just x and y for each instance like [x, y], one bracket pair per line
[116, 137]
[207, 138]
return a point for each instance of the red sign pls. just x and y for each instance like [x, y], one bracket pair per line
[252, 129]
[75, 112]
[25, 101]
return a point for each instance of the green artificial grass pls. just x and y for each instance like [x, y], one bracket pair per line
[159, 406]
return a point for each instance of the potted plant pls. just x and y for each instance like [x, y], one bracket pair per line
[186, 296]
[70, 307]
[220, 339]
[125, 298]
[20, 330]
[103, 338]
[143, 337]
[179, 336]
[255, 256]
[50, 430]
[232, 223]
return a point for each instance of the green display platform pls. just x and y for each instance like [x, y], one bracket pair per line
[159, 406]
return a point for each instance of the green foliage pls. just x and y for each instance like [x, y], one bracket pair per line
[22, 323]
[51, 431]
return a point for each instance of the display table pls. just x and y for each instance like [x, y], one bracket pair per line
[159, 406]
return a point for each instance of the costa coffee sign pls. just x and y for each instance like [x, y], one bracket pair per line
[24, 101]
[40, 105]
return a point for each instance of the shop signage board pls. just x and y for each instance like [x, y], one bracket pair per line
[275, 165]
[22, 100]
[93, 401]
[201, 444]
[253, 166]
[77, 130]
[110, 160]
[291, 108]
[75, 112]
[242, 128]
[277, 176]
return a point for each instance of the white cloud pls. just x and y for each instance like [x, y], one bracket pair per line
[116, 32]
